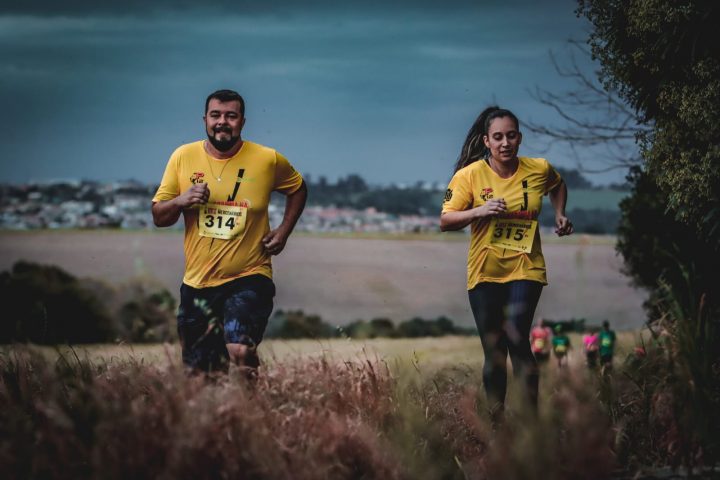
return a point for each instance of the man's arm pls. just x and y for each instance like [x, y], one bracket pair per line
[275, 240]
[558, 199]
[168, 212]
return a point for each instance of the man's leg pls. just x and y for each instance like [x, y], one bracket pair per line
[200, 332]
[247, 311]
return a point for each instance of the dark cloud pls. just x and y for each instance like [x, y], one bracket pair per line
[229, 7]
[102, 89]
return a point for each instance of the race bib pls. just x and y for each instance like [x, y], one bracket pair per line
[606, 342]
[560, 348]
[223, 220]
[539, 343]
[512, 233]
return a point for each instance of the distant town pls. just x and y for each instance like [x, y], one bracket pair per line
[348, 205]
[81, 204]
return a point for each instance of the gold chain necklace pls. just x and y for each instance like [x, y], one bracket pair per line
[207, 157]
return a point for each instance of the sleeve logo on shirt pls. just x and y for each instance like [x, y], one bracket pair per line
[197, 177]
[486, 194]
[448, 195]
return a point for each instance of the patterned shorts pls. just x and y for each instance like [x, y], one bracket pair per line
[234, 312]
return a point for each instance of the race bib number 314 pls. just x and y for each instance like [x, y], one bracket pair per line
[222, 220]
[513, 234]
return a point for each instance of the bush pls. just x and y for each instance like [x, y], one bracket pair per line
[46, 305]
[294, 324]
[418, 327]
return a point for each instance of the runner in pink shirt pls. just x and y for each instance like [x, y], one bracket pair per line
[591, 342]
[540, 341]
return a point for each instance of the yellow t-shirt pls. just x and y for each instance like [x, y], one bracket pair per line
[223, 240]
[471, 187]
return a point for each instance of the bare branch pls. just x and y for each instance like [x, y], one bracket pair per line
[592, 115]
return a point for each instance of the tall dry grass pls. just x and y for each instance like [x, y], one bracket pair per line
[303, 419]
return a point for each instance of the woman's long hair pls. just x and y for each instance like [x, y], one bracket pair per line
[474, 148]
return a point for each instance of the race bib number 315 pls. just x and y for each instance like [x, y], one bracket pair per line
[222, 220]
[513, 234]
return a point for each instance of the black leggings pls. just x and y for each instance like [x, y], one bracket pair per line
[504, 313]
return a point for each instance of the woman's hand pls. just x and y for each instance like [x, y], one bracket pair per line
[558, 199]
[458, 220]
[563, 225]
[492, 207]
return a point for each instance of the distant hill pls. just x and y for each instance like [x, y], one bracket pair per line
[592, 209]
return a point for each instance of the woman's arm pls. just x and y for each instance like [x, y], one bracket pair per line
[458, 220]
[558, 199]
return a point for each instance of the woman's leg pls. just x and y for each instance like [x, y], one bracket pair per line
[487, 301]
[522, 301]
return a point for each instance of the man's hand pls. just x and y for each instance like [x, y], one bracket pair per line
[196, 195]
[274, 241]
[166, 213]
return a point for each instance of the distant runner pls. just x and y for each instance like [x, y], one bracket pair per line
[222, 187]
[500, 195]
[540, 338]
[591, 343]
[561, 345]
[607, 345]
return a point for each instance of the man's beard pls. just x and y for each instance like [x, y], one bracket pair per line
[223, 145]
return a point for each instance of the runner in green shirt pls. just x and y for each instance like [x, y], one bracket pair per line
[607, 345]
[561, 345]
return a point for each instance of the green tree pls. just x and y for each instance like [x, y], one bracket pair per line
[663, 58]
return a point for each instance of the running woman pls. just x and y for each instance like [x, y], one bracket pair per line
[499, 194]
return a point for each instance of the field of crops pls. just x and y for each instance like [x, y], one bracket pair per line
[344, 279]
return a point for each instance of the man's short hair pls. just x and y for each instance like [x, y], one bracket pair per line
[226, 96]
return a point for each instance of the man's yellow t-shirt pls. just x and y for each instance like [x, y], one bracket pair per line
[506, 248]
[223, 239]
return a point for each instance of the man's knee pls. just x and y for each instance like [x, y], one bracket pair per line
[243, 355]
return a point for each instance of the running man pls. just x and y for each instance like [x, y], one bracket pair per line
[561, 345]
[221, 186]
[607, 345]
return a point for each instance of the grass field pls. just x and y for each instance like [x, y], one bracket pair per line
[430, 353]
[344, 279]
[395, 409]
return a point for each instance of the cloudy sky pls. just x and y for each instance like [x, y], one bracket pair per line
[105, 90]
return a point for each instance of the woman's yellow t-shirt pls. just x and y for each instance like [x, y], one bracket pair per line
[506, 248]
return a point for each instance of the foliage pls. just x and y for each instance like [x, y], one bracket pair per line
[295, 324]
[147, 317]
[666, 403]
[663, 57]
[46, 305]
[655, 245]
[302, 419]
[676, 382]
